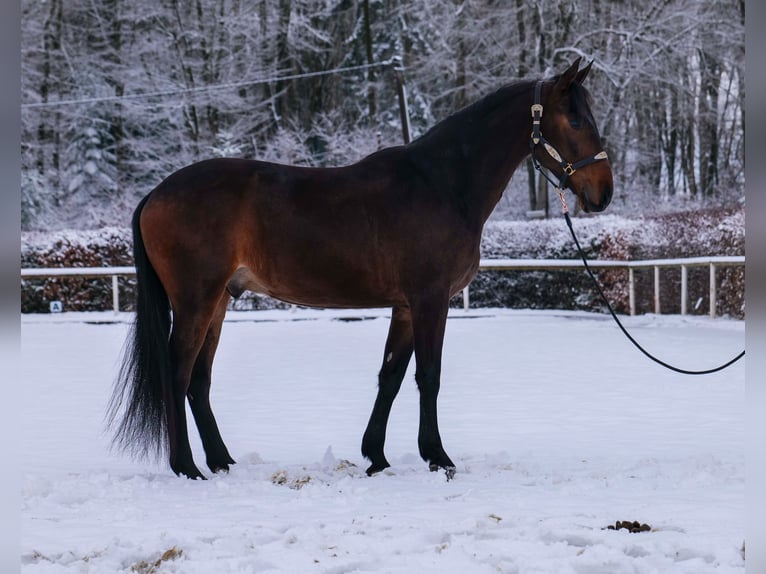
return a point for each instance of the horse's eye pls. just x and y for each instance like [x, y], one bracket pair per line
[575, 122]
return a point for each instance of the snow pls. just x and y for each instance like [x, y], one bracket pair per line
[557, 425]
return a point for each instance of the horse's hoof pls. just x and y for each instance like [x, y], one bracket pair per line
[449, 470]
[193, 476]
[376, 468]
[193, 473]
[218, 467]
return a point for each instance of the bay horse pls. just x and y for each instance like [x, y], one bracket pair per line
[400, 228]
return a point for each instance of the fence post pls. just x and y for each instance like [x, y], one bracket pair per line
[712, 291]
[657, 289]
[632, 291]
[115, 295]
[684, 289]
[466, 298]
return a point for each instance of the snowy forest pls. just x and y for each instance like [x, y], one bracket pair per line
[116, 95]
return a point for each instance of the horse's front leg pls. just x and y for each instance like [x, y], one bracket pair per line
[396, 357]
[429, 318]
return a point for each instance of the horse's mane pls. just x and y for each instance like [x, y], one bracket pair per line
[456, 124]
[457, 121]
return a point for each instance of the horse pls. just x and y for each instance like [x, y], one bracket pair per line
[400, 228]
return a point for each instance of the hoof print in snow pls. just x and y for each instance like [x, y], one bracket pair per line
[631, 526]
[144, 567]
[280, 478]
[346, 466]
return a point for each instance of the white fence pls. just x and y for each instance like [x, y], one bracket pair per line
[485, 265]
[712, 263]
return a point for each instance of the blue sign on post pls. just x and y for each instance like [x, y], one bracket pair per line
[56, 307]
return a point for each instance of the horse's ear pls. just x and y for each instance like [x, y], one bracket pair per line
[564, 81]
[582, 74]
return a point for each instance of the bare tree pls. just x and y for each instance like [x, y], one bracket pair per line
[117, 94]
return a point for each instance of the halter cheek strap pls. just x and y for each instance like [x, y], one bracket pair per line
[537, 137]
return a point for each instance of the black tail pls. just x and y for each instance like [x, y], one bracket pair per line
[137, 406]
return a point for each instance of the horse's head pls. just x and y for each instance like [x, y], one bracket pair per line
[568, 143]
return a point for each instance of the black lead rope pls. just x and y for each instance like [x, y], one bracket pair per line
[569, 169]
[619, 324]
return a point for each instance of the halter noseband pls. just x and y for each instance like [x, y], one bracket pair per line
[537, 138]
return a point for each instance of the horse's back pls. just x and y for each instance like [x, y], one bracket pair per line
[305, 235]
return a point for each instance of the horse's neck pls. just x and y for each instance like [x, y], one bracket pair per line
[501, 159]
[476, 159]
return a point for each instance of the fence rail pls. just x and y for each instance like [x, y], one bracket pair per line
[712, 263]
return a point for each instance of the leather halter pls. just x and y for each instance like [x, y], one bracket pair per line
[537, 138]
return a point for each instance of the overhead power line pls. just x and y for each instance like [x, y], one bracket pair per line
[208, 88]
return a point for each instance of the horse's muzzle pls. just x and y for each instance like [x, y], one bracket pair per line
[593, 200]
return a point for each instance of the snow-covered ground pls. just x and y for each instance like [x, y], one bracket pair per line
[558, 427]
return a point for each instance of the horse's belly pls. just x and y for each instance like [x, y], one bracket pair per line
[339, 289]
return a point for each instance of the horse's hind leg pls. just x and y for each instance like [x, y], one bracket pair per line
[396, 357]
[191, 320]
[217, 455]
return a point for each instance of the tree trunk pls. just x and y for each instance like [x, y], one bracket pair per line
[371, 104]
[284, 62]
[671, 148]
[460, 98]
[47, 131]
[117, 128]
[708, 106]
[523, 70]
